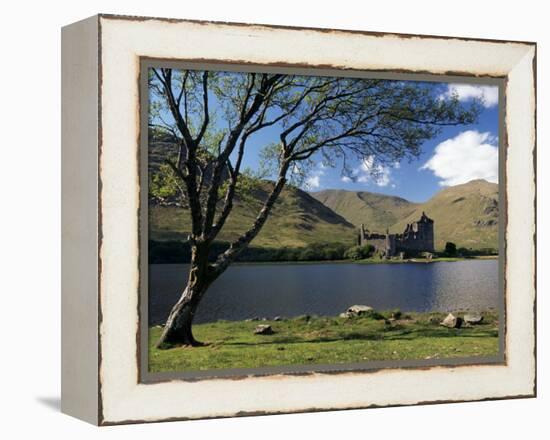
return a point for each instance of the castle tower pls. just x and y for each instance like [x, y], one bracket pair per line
[362, 241]
[390, 244]
[417, 237]
[426, 232]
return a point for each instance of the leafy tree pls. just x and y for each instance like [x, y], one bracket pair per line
[359, 252]
[211, 118]
[450, 249]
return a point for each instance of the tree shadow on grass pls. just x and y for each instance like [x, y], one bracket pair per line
[389, 335]
[300, 340]
[408, 334]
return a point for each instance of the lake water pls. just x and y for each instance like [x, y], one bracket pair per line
[267, 290]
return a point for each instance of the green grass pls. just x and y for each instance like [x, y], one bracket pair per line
[326, 340]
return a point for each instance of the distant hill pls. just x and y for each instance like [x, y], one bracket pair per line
[297, 219]
[377, 211]
[465, 214]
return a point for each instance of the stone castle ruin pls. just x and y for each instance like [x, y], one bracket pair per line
[417, 237]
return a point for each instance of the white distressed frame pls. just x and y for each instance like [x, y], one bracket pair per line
[122, 41]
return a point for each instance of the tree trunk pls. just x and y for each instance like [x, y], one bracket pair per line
[178, 327]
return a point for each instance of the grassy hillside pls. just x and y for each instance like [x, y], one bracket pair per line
[465, 214]
[376, 211]
[296, 220]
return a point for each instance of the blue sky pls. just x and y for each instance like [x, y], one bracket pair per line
[457, 155]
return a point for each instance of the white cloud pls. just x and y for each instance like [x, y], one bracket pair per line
[346, 179]
[464, 92]
[369, 171]
[313, 182]
[469, 155]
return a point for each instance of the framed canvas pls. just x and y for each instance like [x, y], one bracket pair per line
[262, 219]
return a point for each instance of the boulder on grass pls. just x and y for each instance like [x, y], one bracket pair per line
[473, 318]
[358, 310]
[452, 321]
[263, 329]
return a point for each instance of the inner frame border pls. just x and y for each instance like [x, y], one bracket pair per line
[142, 336]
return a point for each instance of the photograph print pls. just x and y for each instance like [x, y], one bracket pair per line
[306, 222]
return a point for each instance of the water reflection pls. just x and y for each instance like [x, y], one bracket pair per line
[244, 291]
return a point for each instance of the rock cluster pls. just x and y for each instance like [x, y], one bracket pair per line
[356, 310]
[452, 321]
[473, 318]
[263, 329]
[257, 318]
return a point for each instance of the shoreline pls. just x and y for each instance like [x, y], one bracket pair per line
[492, 311]
[366, 261]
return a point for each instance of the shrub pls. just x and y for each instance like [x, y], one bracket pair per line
[180, 252]
[353, 253]
[369, 250]
[359, 252]
[450, 249]
[377, 316]
[169, 252]
[307, 254]
[396, 314]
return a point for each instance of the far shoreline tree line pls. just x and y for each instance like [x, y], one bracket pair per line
[179, 252]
